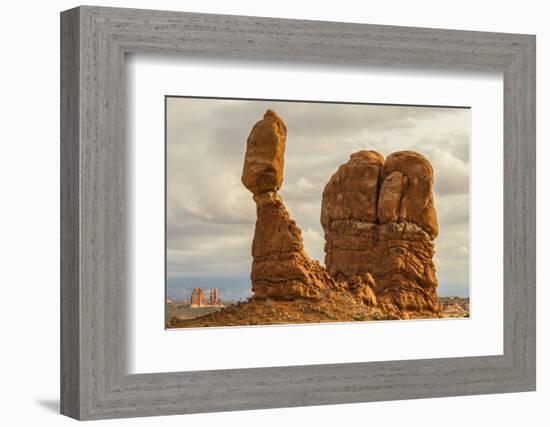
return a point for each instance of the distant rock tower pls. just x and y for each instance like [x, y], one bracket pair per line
[197, 298]
[215, 297]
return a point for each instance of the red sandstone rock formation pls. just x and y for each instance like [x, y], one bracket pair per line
[362, 287]
[352, 192]
[197, 298]
[280, 269]
[265, 155]
[379, 221]
[407, 181]
[379, 218]
[214, 298]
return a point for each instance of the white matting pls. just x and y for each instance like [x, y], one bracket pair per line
[152, 349]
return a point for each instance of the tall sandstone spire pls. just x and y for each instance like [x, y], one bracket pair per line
[280, 269]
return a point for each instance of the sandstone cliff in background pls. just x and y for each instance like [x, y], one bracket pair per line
[380, 224]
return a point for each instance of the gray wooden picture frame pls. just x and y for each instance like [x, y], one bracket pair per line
[94, 382]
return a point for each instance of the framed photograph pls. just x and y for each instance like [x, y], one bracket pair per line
[261, 213]
[372, 221]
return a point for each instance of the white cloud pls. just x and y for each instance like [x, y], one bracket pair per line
[452, 174]
[314, 242]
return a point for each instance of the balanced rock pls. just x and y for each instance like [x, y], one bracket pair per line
[265, 155]
[379, 222]
[280, 268]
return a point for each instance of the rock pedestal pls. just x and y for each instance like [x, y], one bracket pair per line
[280, 269]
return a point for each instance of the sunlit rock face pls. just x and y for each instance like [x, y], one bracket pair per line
[280, 268]
[414, 193]
[265, 155]
[352, 192]
[379, 221]
[396, 244]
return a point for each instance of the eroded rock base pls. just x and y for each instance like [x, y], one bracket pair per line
[280, 268]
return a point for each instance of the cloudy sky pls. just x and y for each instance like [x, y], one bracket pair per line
[211, 216]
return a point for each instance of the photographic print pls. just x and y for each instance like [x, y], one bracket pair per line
[293, 212]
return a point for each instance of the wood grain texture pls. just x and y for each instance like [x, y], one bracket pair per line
[94, 198]
[70, 220]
